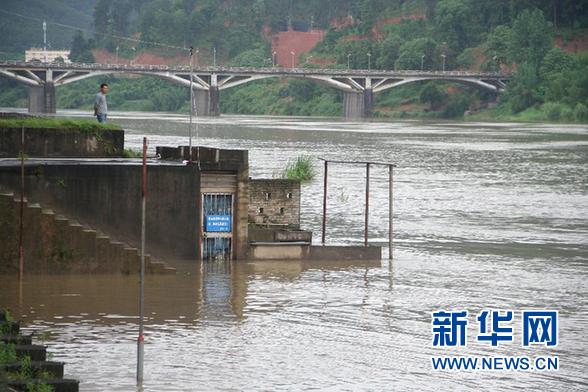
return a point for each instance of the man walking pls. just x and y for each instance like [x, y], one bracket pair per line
[100, 107]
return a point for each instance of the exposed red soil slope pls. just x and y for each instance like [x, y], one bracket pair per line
[579, 43]
[298, 42]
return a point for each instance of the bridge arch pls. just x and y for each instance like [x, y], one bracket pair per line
[358, 86]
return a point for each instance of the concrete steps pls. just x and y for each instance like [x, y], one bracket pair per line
[68, 246]
[29, 366]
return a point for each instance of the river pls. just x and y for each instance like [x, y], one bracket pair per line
[486, 216]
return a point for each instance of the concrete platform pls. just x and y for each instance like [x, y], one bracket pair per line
[304, 251]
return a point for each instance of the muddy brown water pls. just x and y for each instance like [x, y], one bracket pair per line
[487, 216]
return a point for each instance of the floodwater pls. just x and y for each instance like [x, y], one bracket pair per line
[486, 216]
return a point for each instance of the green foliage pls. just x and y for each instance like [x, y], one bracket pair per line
[271, 96]
[498, 44]
[523, 90]
[530, 38]
[39, 386]
[456, 106]
[7, 353]
[301, 169]
[257, 57]
[456, 23]
[433, 95]
[21, 33]
[581, 112]
[412, 51]
[556, 61]
[81, 49]
[553, 110]
[129, 153]
[58, 123]
[7, 315]
[466, 59]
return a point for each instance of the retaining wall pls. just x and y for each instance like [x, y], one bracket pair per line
[41, 142]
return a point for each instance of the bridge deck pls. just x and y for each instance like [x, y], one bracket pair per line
[142, 68]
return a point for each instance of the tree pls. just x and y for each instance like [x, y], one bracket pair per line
[523, 90]
[80, 51]
[388, 52]
[412, 51]
[556, 61]
[531, 37]
[457, 24]
[433, 95]
[498, 44]
[101, 16]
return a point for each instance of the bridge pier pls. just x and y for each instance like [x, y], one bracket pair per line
[207, 103]
[42, 99]
[358, 104]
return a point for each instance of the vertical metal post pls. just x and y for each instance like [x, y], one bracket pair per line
[191, 102]
[390, 210]
[140, 340]
[367, 203]
[21, 229]
[45, 41]
[325, 204]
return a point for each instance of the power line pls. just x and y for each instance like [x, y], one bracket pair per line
[131, 39]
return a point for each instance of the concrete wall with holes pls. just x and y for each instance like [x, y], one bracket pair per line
[274, 202]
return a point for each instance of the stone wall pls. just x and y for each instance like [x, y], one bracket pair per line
[41, 142]
[274, 202]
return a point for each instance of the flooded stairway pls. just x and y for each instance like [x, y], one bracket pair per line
[54, 243]
[25, 366]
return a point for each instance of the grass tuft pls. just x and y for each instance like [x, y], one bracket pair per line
[58, 123]
[301, 169]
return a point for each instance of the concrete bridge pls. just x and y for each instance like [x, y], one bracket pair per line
[357, 85]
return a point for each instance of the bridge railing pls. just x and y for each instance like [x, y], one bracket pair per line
[250, 70]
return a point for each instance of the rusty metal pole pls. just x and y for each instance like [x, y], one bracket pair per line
[22, 190]
[325, 204]
[140, 340]
[367, 203]
[191, 102]
[390, 210]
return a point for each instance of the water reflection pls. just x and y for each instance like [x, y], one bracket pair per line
[486, 216]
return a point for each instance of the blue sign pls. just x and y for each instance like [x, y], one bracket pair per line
[218, 223]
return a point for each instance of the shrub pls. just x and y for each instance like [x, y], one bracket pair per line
[300, 169]
[580, 112]
[552, 110]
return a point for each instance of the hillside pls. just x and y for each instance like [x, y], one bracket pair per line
[26, 31]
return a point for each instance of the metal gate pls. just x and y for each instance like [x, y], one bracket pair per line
[217, 226]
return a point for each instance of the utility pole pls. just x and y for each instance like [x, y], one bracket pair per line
[443, 55]
[116, 61]
[369, 61]
[348, 62]
[214, 56]
[141, 338]
[422, 62]
[45, 40]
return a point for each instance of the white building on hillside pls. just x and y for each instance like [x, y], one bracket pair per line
[49, 56]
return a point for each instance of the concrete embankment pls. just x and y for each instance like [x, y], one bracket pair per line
[55, 244]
